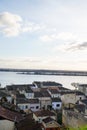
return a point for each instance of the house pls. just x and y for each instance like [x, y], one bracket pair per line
[50, 124]
[44, 98]
[56, 103]
[28, 104]
[46, 84]
[34, 105]
[23, 104]
[53, 91]
[21, 88]
[29, 93]
[42, 114]
[8, 118]
[72, 97]
[16, 96]
[81, 87]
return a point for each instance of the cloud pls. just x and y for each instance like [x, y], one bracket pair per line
[13, 25]
[77, 46]
[64, 36]
[32, 27]
[10, 24]
[8, 19]
[71, 47]
[46, 38]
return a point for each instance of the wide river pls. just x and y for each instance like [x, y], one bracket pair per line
[7, 78]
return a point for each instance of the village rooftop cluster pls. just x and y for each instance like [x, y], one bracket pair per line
[43, 105]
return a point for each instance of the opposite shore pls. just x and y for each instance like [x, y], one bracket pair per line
[45, 72]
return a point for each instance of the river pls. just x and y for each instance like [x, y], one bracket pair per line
[7, 78]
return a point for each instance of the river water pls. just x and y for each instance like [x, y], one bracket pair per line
[7, 78]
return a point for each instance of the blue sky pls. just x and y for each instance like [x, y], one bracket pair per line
[43, 34]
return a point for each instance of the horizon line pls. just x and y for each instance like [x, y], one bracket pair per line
[27, 69]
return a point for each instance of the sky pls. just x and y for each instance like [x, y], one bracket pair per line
[43, 34]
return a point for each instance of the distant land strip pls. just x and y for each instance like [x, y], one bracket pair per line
[45, 72]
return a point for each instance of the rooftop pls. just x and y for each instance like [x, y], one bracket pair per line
[56, 100]
[28, 90]
[82, 85]
[38, 94]
[22, 101]
[73, 92]
[33, 101]
[27, 101]
[10, 115]
[45, 93]
[28, 124]
[3, 94]
[48, 119]
[84, 101]
[19, 86]
[54, 90]
[80, 107]
[20, 95]
[44, 113]
[47, 83]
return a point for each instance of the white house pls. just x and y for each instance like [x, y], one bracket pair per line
[28, 104]
[54, 92]
[29, 93]
[23, 104]
[56, 103]
[34, 105]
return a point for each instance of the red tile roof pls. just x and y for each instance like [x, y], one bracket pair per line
[44, 113]
[10, 115]
[48, 119]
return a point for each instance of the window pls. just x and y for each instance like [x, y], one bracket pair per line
[26, 106]
[80, 98]
[31, 107]
[37, 107]
[57, 105]
[22, 107]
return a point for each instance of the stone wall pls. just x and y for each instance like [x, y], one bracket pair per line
[73, 119]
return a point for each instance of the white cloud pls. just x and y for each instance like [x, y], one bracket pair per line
[10, 24]
[13, 25]
[46, 38]
[64, 36]
[8, 19]
[32, 27]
